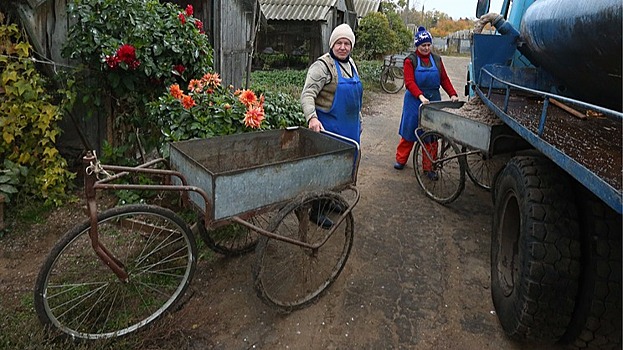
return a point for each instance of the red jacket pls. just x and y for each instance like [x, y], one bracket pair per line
[411, 84]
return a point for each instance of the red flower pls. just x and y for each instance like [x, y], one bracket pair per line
[179, 68]
[189, 10]
[134, 64]
[112, 61]
[127, 54]
[199, 26]
[182, 18]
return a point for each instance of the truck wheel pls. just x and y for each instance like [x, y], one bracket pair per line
[535, 250]
[596, 323]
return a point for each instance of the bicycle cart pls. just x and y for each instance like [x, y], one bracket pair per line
[124, 267]
[465, 146]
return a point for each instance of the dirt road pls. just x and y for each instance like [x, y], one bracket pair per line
[417, 277]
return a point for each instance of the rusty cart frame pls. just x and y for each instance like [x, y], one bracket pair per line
[480, 150]
[287, 193]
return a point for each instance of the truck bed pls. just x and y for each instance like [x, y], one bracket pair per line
[593, 142]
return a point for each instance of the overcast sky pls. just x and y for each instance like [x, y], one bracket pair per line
[455, 8]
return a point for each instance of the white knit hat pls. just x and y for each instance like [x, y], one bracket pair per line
[342, 31]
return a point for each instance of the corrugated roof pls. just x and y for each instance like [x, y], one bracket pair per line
[300, 10]
[363, 7]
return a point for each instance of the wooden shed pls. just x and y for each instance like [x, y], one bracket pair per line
[302, 26]
[231, 27]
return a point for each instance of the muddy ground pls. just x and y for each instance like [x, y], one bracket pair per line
[417, 277]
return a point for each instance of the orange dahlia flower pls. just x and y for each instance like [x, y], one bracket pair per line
[254, 117]
[175, 91]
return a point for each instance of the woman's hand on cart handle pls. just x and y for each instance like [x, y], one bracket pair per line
[454, 98]
[315, 124]
[423, 99]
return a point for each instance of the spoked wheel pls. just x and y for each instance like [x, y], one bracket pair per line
[392, 79]
[447, 181]
[234, 239]
[482, 169]
[78, 294]
[289, 277]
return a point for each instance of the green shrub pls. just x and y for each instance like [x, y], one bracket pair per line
[132, 50]
[286, 81]
[375, 37]
[29, 125]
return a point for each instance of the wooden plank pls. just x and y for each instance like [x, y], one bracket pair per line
[567, 109]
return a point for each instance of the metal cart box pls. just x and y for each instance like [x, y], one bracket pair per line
[466, 131]
[245, 172]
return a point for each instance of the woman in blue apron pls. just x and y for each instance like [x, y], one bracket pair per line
[333, 93]
[424, 75]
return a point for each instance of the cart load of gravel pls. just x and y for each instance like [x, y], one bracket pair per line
[475, 109]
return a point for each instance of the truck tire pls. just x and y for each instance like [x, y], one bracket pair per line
[535, 250]
[596, 322]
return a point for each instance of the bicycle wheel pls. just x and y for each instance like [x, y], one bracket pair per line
[392, 79]
[449, 169]
[289, 277]
[78, 294]
[481, 169]
[234, 239]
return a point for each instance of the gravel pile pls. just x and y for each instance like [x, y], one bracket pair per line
[475, 109]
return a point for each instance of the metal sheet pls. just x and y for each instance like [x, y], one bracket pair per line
[244, 172]
[466, 131]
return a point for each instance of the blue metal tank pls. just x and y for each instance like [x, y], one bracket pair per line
[579, 43]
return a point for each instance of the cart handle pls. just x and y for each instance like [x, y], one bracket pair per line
[357, 154]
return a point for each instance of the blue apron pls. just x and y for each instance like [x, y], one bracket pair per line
[428, 80]
[343, 117]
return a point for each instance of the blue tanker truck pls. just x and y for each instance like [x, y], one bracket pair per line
[550, 71]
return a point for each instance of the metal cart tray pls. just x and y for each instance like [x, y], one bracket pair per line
[245, 172]
[465, 131]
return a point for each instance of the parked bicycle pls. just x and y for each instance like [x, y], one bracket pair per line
[392, 75]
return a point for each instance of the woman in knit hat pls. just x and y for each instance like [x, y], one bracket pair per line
[332, 94]
[424, 75]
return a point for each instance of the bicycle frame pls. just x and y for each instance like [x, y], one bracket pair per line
[440, 160]
[93, 182]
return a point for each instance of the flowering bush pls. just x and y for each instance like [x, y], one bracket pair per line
[131, 50]
[207, 109]
[136, 49]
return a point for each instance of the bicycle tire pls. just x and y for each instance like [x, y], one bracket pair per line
[481, 170]
[288, 277]
[392, 79]
[234, 239]
[79, 295]
[450, 169]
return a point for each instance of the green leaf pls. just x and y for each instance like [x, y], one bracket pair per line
[8, 188]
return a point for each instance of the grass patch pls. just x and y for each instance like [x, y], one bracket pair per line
[291, 81]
